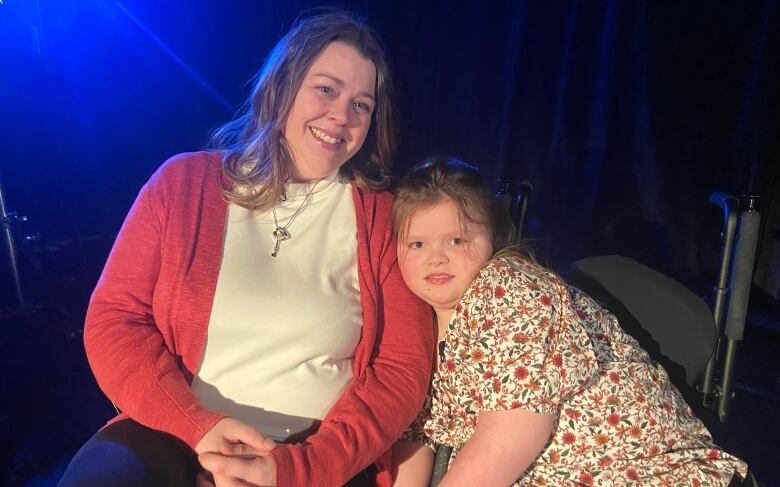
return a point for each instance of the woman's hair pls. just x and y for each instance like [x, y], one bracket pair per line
[441, 178]
[257, 162]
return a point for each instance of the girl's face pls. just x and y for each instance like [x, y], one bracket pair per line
[441, 254]
[331, 114]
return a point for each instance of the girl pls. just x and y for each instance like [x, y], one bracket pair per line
[535, 384]
[252, 312]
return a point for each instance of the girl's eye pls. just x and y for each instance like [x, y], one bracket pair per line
[457, 241]
[415, 245]
[362, 107]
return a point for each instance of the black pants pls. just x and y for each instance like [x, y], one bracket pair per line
[127, 454]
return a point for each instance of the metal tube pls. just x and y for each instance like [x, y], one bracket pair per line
[5, 219]
[441, 462]
[720, 291]
[522, 200]
[727, 380]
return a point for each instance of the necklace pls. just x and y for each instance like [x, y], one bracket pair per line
[280, 233]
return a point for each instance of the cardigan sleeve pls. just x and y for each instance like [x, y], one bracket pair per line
[125, 347]
[380, 402]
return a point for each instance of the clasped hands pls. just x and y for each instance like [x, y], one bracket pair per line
[236, 455]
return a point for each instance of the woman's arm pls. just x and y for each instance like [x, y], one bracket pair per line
[126, 349]
[394, 366]
[504, 444]
[413, 464]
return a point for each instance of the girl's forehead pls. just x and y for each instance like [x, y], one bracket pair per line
[443, 207]
[438, 215]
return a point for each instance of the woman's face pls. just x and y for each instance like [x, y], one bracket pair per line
[441, 254]
[331, 114]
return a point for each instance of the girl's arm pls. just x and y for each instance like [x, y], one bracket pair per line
[504, 444]
[413, 463]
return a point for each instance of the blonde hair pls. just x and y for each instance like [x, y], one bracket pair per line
[256, 160]
[442, 178]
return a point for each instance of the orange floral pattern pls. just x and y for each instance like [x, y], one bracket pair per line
[522, 338]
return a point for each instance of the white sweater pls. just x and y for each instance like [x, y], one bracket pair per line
[283, 329]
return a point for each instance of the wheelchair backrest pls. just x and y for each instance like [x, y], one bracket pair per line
[671, 323]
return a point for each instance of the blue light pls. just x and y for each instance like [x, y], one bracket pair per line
[200, 80]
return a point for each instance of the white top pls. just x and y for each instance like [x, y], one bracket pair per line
[283, 330]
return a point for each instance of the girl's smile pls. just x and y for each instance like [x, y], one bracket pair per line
[438, 279]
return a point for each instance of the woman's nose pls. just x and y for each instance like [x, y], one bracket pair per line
[339, 112]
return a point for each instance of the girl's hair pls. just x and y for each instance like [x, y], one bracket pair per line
[442, 178]
[256, 161]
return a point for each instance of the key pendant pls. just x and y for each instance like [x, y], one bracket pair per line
[281, 234]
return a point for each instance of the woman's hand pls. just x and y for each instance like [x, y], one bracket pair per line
[235, 471]
[229, 432]
[236, 454]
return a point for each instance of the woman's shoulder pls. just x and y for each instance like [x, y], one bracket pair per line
[373, 207]
[190, 177]
[381, 199]
[188, 165]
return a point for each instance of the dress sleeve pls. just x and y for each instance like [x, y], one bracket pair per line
[415, 433]
[525, 346]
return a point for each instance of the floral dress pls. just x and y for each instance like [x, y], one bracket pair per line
[522, 338]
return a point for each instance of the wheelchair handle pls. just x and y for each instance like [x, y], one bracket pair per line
[722, 200]
[526, 189]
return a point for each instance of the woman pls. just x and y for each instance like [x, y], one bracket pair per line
[252, 310]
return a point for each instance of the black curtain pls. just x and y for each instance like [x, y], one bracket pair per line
[624, 115]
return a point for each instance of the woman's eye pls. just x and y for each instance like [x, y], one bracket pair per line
[362, 107]
[325, 89]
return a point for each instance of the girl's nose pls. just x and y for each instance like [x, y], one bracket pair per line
[437, 257]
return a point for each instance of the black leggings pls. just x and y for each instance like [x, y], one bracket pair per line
[128, 454]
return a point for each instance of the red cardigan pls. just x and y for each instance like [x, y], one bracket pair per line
[147, 325]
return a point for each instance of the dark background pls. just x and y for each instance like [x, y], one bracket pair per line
[624, 115]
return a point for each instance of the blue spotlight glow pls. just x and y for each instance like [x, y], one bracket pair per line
[197, 77]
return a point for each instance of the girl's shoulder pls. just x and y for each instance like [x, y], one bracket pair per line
[518, 274]
[519, 267]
